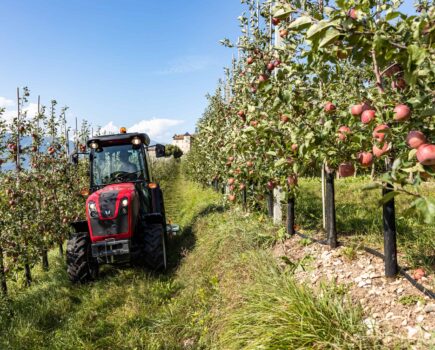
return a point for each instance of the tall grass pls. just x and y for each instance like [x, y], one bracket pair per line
[224, 290]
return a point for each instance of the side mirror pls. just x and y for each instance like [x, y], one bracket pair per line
[160, 151]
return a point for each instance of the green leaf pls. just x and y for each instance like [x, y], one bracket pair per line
[282, 11]
[318, 27]
[280, 162]
[392, 15]
[389, 196]
[300, 23]
[412, 154]
[416, 54]
[271, 153]
[330, 36]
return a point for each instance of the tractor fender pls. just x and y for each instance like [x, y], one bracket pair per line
[80, 226]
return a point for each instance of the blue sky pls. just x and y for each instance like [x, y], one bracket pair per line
[120, 61]
[142, 64]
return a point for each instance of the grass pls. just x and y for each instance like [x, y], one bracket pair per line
[359, 219]
[224, 290]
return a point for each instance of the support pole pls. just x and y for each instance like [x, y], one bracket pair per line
[323, 197]
[330, 209]
[4, 286]
[277, 210]
[291, 214]
[245, 198]
[390, 245]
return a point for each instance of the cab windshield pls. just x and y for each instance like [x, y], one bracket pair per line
[115, 164]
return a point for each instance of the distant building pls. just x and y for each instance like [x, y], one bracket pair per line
[183, 141]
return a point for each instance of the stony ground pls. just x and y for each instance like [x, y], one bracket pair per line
[392, 307]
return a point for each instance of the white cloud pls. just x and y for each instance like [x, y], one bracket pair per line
[5, 102]
[186, 64]
[158, 129]
[30, 110]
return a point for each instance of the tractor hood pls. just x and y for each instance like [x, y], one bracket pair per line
[112, 211]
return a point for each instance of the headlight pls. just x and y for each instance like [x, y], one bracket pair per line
[124, 202]
[92, 209]
[136, 141]
[94, 145]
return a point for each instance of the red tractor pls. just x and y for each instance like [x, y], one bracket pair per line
[125, 212]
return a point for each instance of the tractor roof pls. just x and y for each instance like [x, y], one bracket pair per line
[117, 139]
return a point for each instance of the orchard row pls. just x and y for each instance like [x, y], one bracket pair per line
[350, 87]
[39, 189]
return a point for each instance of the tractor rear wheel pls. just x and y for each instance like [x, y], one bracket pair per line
[81, 266]
[155, 247]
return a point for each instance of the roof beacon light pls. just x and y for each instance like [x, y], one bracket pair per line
[123, 130]
[136, 141]
[94, 145]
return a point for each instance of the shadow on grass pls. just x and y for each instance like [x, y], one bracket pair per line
[184, 242]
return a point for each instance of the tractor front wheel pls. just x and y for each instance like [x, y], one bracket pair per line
[155, 247]
[81, 266]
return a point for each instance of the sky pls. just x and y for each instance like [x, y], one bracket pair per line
[146, 65]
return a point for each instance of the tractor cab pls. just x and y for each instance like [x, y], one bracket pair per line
[125, 211]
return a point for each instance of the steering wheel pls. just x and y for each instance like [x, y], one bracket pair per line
[119, 175]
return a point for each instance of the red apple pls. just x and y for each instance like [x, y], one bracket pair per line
[276, 63]
[250, 60]
[253, 89]
[284, 118]
[356, 110]
[290, 160]
[270, 67]
[379, 152]
[51, 150]
[294, 147]
[346, 169]
[231, 198]
[426, 154]
[377, 134]
[231, 181]
[292, 180]
[283, 33]
[275, 21]
[241, 114]
[398, 84]
[230, 159]
[262, 78]
[242, 187]
[329, 107]
[415, 139]
[270, 184]
[365, 159]
[402, 113]
[254, 123]
[367, 116]
[249, 164]
[342, 132]
[353, 13]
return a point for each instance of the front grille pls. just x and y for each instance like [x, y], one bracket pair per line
[109, 227]
[108, 203]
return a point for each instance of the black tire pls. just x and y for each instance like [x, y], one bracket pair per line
[155, 247]
[81, 267]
